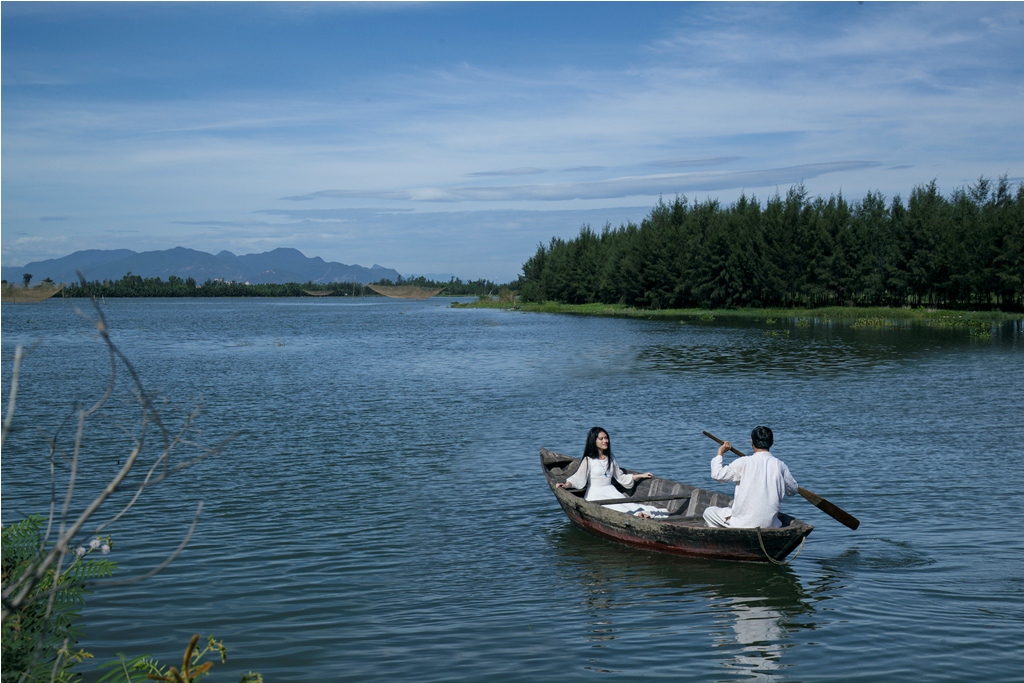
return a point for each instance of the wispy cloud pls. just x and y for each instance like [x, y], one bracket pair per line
[242, 223]
[584, 169]
[613, 188]
[695, 163]
[525, 170]
[354, 214]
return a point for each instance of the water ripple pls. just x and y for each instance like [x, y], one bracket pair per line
[380, 513]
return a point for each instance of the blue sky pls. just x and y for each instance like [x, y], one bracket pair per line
[453, 138]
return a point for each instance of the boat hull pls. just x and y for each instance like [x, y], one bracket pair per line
[684, 531]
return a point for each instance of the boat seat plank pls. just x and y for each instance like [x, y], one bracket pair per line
[702, 499]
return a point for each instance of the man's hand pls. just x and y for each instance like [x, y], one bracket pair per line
[723, 448]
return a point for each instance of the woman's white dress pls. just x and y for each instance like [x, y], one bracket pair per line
[595, 474]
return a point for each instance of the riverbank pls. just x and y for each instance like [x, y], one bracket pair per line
[868, 316]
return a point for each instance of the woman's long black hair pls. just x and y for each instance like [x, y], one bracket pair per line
[590, 450]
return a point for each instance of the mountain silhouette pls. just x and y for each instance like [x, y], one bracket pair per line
[277, 266]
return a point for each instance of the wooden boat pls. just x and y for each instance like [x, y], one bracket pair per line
[683, 532]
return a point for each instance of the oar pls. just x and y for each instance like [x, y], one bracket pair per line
[813, 498]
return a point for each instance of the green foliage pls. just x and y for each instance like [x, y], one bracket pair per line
[961, 252]
[454, 286]
[193, 668]
[133, 670]
[39, 636]
[888, 322]
[137, 286]
[873, 322]
[507, 296]
[977, 327]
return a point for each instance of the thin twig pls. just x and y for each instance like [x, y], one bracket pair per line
[165, 455]
[163, 565]
[53, 481]
[73, 474]
[12, 400]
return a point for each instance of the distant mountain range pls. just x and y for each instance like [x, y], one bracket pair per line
[277, 266]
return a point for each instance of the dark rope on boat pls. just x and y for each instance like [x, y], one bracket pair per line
[772, 559]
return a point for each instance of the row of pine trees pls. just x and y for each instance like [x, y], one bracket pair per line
[961, 251]
[137, 286]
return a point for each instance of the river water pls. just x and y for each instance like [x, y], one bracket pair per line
[380, 512]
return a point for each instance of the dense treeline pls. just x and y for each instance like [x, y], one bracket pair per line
[137, 286]
[964, 251]
[454, 287]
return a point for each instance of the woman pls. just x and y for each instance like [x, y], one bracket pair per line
[598, 467]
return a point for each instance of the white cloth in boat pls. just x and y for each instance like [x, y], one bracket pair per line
[594, 474]
[762, 480]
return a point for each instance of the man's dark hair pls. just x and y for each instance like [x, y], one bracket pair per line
[762, 437]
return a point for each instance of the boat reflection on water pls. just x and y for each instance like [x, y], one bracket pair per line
[745, 613]
[759, 630]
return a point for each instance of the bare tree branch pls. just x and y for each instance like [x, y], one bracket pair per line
[12, 400]
[163, 565]
[19, 589]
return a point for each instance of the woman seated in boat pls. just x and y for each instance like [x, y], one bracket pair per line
[598, 467]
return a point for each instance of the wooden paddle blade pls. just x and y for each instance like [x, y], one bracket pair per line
[829, 509]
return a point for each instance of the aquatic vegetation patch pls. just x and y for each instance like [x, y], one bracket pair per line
[960, 322]
[977, 328]
[874, 322]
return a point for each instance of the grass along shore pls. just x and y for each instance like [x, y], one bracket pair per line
[860, 317]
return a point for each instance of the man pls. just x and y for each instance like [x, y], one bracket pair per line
[762, 480]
